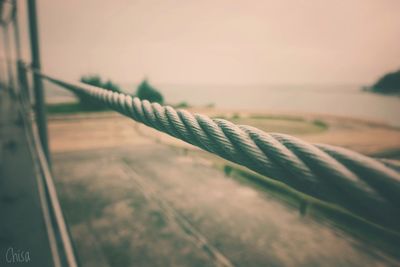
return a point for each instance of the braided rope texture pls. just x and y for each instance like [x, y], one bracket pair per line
[353, 181]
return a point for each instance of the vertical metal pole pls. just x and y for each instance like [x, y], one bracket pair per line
[8, 58]
[21, 72]
[16, 31]
[37, 81]
[2, 69]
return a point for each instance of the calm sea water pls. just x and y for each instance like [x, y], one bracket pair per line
[343, 100]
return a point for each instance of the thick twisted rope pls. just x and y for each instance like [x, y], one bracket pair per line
[356, 182]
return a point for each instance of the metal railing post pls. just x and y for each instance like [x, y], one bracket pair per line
[7, 58]
[23, 81]
[15, 24]
[37, 81]
[21, 72]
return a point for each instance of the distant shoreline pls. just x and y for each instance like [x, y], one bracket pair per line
[335, 100]
[364, 136]
[370, 89]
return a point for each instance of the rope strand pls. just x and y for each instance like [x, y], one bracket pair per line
[356, 182]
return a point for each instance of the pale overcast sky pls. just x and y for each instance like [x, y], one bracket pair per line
[221, 41]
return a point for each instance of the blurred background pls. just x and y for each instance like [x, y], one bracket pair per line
[323, 71]
[200, 51]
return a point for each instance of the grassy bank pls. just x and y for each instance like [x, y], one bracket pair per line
[75, 107]
[64, 108]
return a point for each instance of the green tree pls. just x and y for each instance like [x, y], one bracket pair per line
[390, 83]
[148, 92]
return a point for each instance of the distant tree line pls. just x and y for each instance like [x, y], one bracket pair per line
[143, 91]
[88, 103]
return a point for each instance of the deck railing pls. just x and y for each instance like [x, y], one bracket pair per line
[358, 183]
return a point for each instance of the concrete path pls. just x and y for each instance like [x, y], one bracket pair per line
[154, 205]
